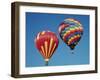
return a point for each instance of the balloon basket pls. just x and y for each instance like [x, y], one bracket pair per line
[46, 63]
[72, 52]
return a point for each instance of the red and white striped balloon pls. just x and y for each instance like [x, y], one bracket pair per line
[46, 42]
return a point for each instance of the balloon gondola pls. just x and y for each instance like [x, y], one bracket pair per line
[46, 42]
[71, 31]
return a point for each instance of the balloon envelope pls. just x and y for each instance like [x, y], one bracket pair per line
[46, 43]
[71, 31]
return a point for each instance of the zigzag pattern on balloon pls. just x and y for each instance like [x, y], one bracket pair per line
[71, 31]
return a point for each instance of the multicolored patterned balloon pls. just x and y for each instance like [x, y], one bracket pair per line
[71, 32]
[46, 43]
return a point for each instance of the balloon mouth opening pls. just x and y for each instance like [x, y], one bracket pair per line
[46, 60]
[72, 48]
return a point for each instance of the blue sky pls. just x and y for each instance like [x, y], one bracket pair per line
[37, 22]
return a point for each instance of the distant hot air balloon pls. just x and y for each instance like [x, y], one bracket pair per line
[71, 31]
[46, 43]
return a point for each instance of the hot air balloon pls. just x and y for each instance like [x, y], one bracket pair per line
[71, 31]
[46, 42]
